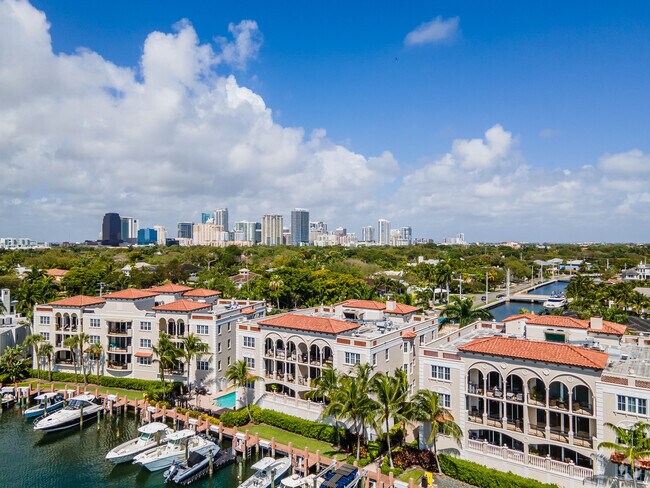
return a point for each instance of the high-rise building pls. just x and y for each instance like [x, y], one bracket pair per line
[247, 231]
[406, 235]
[129, 229]
[205, 217]
[111, 229]
[368, 233]
[316, 229]
[185, 230]
[272, 229]
[220, 217]
[299, 227]
[162, 235]
[209, 235]
[383, 232]
[147, 236]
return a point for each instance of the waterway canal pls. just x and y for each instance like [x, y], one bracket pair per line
[506, 309]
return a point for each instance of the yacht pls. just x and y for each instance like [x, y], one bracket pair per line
[8, 397]
[181, 444]
[151, 435]
[344, 476]
[197, 465]
[268, 470]
[47, 403]
[83, 407]
[297, 481]
[557, 301]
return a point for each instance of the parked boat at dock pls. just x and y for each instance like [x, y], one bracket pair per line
[197, 466]
[8, 397]
[555, 301]
[47, 403]
[267, 470]
[344, 476]
[151, 436]
[181, 444]
[82, 408]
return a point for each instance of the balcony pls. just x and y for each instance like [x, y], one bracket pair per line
[118, 331]
[118, 349]
[475, 417]
[515, 396]
[536, 399]
[516, 425]
[583, 439]
[474, 389]
[495, 421]
[582, 409]
[118, 366]
[537, 430]
[559, 435]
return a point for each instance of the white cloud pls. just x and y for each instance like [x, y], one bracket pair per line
[628, 163]
[436, 31]
[245, 46]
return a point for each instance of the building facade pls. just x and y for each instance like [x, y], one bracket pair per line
[185, 230]
[383, 232]
[147, 237]
[111, 230]
[272, 230]
[368, 233]
[220, 217]
[299, 227]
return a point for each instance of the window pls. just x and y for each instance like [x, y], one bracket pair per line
[374, 359]
[145, 343]
[45, 320]
[386, 354]
[46, 336]
[218, 346]
[249, 341]
[406, 347]
[219, 329]
[422, 339]
[202, 329]
[229, 343]
[228, 360]
[93, 339]
[632, 404]
[219, 365]
[95, 322]
[145, 361]
[406, 367]
[250, 362]
[554, 337]
[445, 400]
[203, 365]
[440, 373]
[229, 326]
[145, 325]
[352, 358]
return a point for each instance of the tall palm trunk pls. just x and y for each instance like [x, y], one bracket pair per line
[83, 367]
[390, 454]
[99, 381]
[49, 367]
[358, 429]
[74, 364]
[38, 365]
[435, 454]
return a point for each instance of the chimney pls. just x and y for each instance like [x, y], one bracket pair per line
[596, 322]
[390, 304]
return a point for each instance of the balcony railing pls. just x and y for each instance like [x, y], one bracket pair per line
[119, 349]
[119, 366]
[536, 400]
[515, 396]
[558, 403]
[583, 439]
[475, 417]
[537, 430]
[515, 425]
[118, 331]
[582, 408]
[494, 421]
[559, 435]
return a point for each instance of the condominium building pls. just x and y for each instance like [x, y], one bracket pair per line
[383, 232]
[209, 235]
[534, 392]
[316, 229]
[161, 234]
[299, 227]
[111, 229]
[368, 233]
[147, 237]
[272, 231]
[127, 324]
[185, 230]
[292, 349]
[129, 229]
[248, 231]
[220, 217]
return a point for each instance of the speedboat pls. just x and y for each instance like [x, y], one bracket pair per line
[197, 465]
[47, 403]
[344, 476]
[555, 302]
[151, 435]
[181, 444]
[80, 409]
[297, 481]
[8, 397]
[268, 470]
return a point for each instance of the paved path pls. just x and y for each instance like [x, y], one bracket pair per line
[443, 481]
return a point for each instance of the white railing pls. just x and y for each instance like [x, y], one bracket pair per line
[516, 456]
[538, 462]
[494, 450]
[475, 445]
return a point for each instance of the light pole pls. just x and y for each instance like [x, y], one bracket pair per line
[486, 288]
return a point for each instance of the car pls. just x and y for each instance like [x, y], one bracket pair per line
[501, 295]
[483, 298]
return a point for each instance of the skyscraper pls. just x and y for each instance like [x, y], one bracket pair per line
[111, 229]
[406, 235]
[272, 229]
[221, 218]
[368, 233]
[161, 234]
[147, 236]
[247, 231]
[185, 230]
[316, 229]
[383, 232]
[205, 217]
[299, 226]
[129, 229]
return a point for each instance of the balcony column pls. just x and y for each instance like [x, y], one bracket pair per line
[526, 421]
[504, 415]
[547, 428]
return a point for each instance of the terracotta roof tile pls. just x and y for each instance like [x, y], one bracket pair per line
[130, 294]
[170, 288]
[78, 301]
[309, 323]
[546, 352]
[55, 272]
[248, 310]
[575, 323]
[143, 354]
[519, 316]
[201, 293]
[409, 334]
[182, 306]
[400, 308]
[403, 309]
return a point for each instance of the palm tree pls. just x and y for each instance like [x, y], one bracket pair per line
[167, 353]
[239, 373]
[82, 340]
[275, 285]
[13, 362]
[71, 343]
[324, 386]
[463, 311]
[96, 351]
[192, 347]
[47, 350]
[442, 275]
[391, 393]
[34, 341]
[426, 407]
[633, 443]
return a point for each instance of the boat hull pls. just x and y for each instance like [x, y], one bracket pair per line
[37, 412]
[89, 416]
[165, 462]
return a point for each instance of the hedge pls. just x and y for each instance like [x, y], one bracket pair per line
[107, 381]
[482, 477]
[238, 417]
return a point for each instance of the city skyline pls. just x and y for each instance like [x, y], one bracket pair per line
[514, 124]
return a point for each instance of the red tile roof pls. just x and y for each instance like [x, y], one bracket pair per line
[131, 294]
[545, 352]
[182, 306]
[248, 310]
[143, 354]
[575, 323]
[309, 323]
[519, 316]
[55, 272]
[400, 308]
[201, 293]
[409, 334]
[78, 301]
[170, 288]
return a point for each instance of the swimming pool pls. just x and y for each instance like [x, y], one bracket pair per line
[227, 401]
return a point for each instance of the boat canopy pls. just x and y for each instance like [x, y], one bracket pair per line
[86, 397]
[263, 463]
[7, 389]
[46, 396]
[181, 434]
[153, 427]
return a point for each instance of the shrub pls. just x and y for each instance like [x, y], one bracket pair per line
[307, 428]
[238, 417]
[109, 381]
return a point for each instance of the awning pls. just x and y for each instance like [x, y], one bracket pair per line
[144, 354]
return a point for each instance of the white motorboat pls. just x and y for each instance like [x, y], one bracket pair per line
[8, 397]
[268, 470]
[181, 444]
[151, 435]
[83, 407]
[297, 481]
[47, 402]
[555, 302]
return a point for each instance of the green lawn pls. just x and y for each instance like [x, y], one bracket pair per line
[58, 385]
[415, 473]
[298, 441]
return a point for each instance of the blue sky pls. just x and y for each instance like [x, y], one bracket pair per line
[566, 81]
